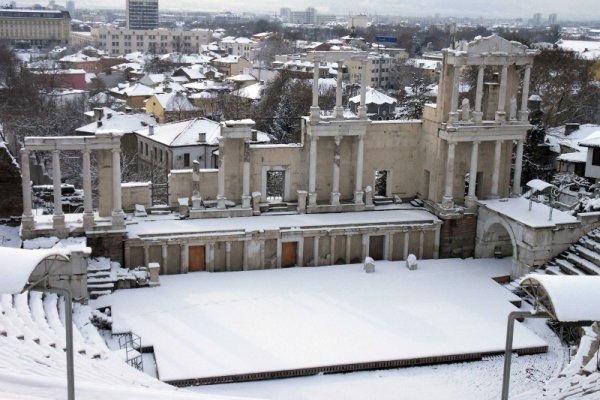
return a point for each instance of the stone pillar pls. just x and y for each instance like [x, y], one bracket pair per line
[332, 249]
[448, 199]
[518, 169]
[501, 113]
[227, 256]
[58, 217]
[88, 212]
[246, 198]
[386, 246]
[221, 177]
[165, 255]
[316, 251]
[118, 217]
[478, 114]
[146, 253]
[362, 108]
[27, 220]
[524, 113]
[406, 240]
[262, 254]
[339, 108]
[453, 115]
[312, 172]
[335, 187]
[278, 253]
[471, 199]
[314, 109]
[300, 254]
[302, 201]
[390, 256]
[348, 249]
[421, 240]
[358, 190]
[210, 257]
[184, 262]
[496, 170]
[245, 256]
[365, 247]
[436, 242]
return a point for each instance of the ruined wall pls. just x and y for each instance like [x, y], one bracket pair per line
[133, 193]
[11, 200]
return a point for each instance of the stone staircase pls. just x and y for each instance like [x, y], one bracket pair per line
[382, 200]
[105, 276]
[582, 258]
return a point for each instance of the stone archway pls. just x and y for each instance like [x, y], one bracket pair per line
[495, 238]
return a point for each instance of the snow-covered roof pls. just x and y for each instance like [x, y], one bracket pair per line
[591, 142]
[556, 137]
[569, 298]
[241, 78]
[230, 59]
[184, 133]
[77, 58]
[251, 92]
[575, 157]
[193, 72]
[518, 209]
[207, 85]
[173, 102]
[117, 120]
[374, 97]
[134, 90]
[588, 49]
[130, 66]
[539, 185]
[18, 264]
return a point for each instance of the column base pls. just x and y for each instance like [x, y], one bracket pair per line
[362, 112]
[338, 112]
[335, 198]
[447, 202]
[312, 199]
[118, 218]
[477, 117]
[452, 117]
[358, 197]
[315, 113]
[523, 115]
[221, 202]
[500, 116]
[246, 201]
[58, 221]
[88, 220]
[471, 201]
[27, 222]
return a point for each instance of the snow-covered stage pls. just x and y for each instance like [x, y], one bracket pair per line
[253, 324]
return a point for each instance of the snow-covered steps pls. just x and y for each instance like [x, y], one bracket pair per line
[583, 264]
[417, 203]
[380, 201]
[567, 267]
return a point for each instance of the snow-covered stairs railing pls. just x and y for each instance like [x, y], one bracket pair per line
[131, 346]
[583, 258]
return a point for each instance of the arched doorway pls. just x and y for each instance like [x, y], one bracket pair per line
[496, 239]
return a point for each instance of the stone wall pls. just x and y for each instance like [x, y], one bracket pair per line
[107, 244]
[11, 200]
[136, 193]
[457, 236]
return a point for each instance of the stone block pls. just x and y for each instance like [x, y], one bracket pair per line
[411, 262]
[369, 265]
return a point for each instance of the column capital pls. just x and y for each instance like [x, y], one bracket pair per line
[114, 150]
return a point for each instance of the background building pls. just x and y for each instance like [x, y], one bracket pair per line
[35, 27]
[142, 14]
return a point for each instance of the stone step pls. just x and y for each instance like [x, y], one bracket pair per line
[588, 254]
[279, 208]
[568, 267]
[101, 274]
[96, 294]
[554, 270]
[101, 286]
[417, 203]
[583, 264]
[381, 202]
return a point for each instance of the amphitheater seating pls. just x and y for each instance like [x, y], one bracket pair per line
[583, 258]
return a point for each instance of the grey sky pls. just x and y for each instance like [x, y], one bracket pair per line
[571, 9]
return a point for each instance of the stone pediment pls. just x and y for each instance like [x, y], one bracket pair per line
[494, 44]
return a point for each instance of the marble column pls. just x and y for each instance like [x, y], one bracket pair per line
[358, 189]
[386, 246]
[524, 113]
[315, 113]
[300, 253]
[58, 217]
[88, 212]
[421, 243]
[312, 172]
[184, 262]
[278, 253]
[348, 257]
[227, 256]
[316, 251]
[339, 108]
[335, 187]
[436, 242]
[246, 198]
[448, 199]
[221, 175]
[496, 170]
[165, 256]
[365, 247]
[332, 250]
[118, 217]
[453, 115]
[27, 220]
[471, 199]
[362, 108]
[146, 254]
[501, 113]
[518, 169]
[478, 114]
[406, 241]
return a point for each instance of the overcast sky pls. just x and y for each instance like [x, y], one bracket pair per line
[566, 9]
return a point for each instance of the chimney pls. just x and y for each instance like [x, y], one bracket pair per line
[571, 127]
[202, 137]
[98, 112]
[151, 130]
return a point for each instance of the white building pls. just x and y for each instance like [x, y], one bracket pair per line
[240, 46]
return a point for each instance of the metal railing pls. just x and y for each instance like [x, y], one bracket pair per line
[132, 344]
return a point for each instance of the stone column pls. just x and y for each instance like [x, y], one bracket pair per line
[478, 114]
[58, 217]
[335, 187]
[88, 212]
[358, 190]
[406, 240]
[118, 217]
[316, 251]
[184, 262]
[314, 109]
[332, 249]
[312, 172]
[348, 249]
[518, 169]
[262, 254]
[227, 256]
[453, 115]
[448, 199]
[246, 198]
[300, 254]
[278, 253]
[471, 199]
[210, 257]
[362, 108]
[496, 170]
[146, 254]
[421, 240]
[221, 177]
[27, 220]
[245, 255]
[523, 113]
[339, 108]
[365, 247]
[436, 242]
[386, 246]
[165, 255]
[501, 114]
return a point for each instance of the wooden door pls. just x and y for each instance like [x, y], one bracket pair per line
[288, 254]
[196, 259]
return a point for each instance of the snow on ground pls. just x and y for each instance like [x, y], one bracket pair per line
[478, 380]
[212, 324]
[9, 236]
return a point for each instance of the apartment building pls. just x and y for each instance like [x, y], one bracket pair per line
[35, 27]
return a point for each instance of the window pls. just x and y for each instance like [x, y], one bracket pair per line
[596, 156]
[186, 159]
[161, 158]
[146, 148]
[141, 148]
